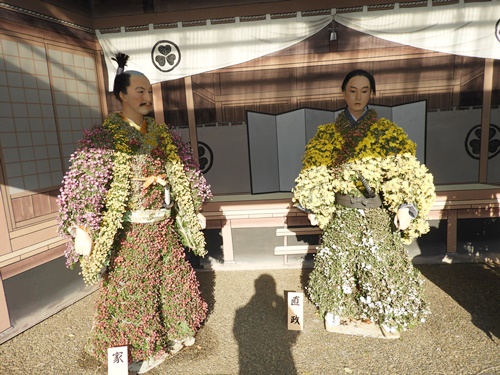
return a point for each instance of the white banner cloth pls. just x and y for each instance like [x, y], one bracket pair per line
[467, 29]
[166, 54]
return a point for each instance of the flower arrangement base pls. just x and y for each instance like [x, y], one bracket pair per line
[360, 328]
[388, 334]
[141, 367]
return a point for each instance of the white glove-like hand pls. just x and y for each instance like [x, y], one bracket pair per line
[203, 220]
[83, 241]
[312, 219]
[402, 219]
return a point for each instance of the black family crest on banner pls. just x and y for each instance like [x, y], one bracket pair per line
[165, 55]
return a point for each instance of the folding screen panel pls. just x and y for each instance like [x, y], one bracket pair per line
[288, 133]
[263, 152]
[223, 155]
[447, 156]
[276, 143]
[412, 118]
[450, 137]
[290, 130]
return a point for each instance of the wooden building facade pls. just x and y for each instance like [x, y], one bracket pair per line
[52, 86]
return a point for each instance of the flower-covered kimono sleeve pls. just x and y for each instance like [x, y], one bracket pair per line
[314, 190]
[82, 195]
[189, 191]
[200, 189]
[407, 181]
[320, 148]
[93, 197]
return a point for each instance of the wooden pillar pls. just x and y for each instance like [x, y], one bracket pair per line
[7, 248]
[193, 135]
[102, 86]
[451, 232]
[158, 104]
[4, 311]
[485, 120]
[227, 242]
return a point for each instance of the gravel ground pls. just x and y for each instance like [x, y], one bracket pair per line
[246, 332]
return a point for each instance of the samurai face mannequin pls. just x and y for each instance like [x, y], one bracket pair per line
[357, 94]
[138, 101]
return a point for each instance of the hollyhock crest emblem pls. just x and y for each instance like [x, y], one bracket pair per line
[165, 55]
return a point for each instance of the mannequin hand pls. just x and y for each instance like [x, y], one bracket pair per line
[202, 220]
[312, 219]
[402, 219]
[83, 241]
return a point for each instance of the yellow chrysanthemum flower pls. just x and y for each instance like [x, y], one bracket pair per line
[385, 157]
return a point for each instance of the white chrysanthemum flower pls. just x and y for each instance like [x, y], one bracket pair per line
[366, 300]
[389, 329]
[346, 289]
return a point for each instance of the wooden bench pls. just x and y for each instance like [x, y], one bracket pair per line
[452, 202]
[471, 201]
[286, 249]
[247, 211]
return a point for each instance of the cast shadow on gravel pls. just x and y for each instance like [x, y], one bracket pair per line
[474, 286]
[260, 328]
[207, 288]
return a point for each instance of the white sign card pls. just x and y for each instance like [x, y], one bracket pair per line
[118, 360]
[295, 311]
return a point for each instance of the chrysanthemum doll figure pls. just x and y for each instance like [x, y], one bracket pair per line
[132, 199]
[362, 184]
